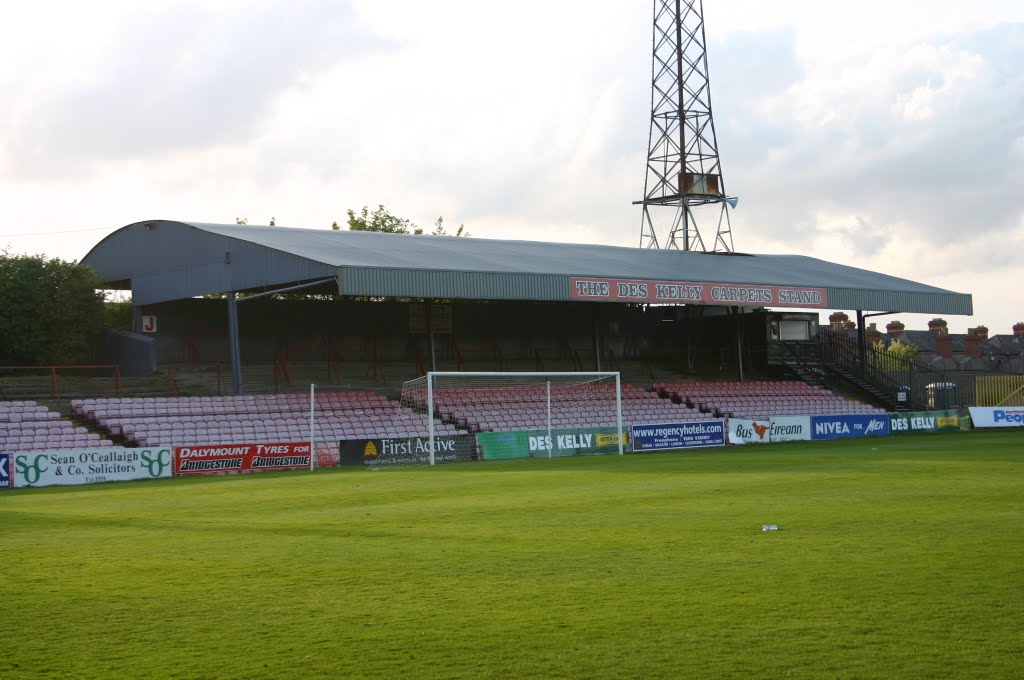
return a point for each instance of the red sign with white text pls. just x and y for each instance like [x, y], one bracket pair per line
[685, 292]
[227, 459]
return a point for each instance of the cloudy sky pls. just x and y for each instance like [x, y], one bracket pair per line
[891, 138]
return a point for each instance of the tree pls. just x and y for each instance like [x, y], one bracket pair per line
[440, 231]
[380, 220]
[52, 311]
[118, 314]
[907, 350]
[383, 221]
[901, 350]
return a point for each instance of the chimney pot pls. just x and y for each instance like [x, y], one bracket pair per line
[872, 334]
[838, 320]
[937, 326]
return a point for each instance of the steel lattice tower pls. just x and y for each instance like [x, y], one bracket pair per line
[683, 168]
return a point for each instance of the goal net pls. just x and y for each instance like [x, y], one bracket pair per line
[520, 415]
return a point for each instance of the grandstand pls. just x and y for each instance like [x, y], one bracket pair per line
[761, 399]
[500, 299]
[28, 426]
[510, 408]
[352, 414]
[706, 347]
[176, 421]
[366, 414]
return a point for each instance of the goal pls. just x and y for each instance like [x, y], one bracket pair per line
[519, 415]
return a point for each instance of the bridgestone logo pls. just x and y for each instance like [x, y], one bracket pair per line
[279, 461]
[201, 465]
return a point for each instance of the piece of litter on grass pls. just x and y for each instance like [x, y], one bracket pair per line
[769, 527]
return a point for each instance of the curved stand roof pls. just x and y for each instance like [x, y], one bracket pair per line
[162, 260]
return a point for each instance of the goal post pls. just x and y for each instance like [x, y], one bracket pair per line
[322, 443]
[523, 414]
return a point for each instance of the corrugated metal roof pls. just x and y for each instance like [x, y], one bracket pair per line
[940, 302]
[168, 260]
[407, 252]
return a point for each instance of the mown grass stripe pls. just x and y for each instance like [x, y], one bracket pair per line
[898, 557]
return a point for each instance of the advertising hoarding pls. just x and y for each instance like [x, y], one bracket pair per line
[224, 459]
[904, 422]
[790, 429]
[767, 430]
[90, 466]
[406, 450]
[579, 441]
[689, 435]
[636, 290]
[997, 416]
[6, 476]
[843, 426]
[744, 431]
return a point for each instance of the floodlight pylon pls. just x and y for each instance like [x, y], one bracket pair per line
[684, 171]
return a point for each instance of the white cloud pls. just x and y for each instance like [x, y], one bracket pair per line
[950, 71]
[170, 79]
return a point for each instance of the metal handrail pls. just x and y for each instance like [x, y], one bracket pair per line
[887, 372]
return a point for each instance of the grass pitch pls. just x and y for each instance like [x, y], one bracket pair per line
[895, 558]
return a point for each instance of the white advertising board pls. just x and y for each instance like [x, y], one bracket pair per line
[997, 416]
[743, 431]
[89, 466]
[790, 429]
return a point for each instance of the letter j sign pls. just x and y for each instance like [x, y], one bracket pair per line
[149, 324]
